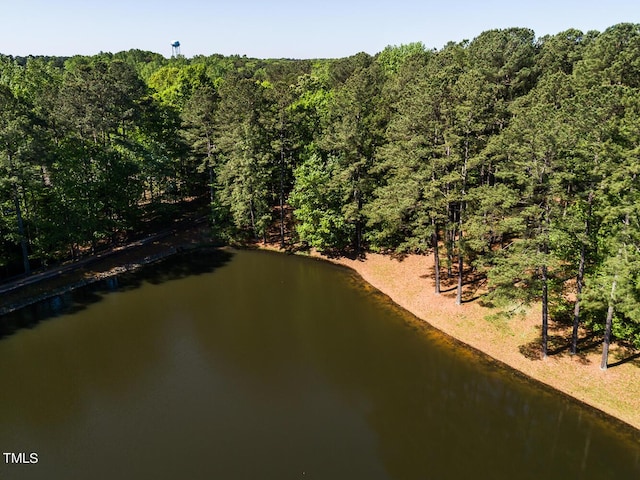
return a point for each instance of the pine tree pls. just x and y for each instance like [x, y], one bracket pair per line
[15, 167]
[528, 268]
[246, 165]
[354, 130]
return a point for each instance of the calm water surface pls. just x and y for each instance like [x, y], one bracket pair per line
[238, 365]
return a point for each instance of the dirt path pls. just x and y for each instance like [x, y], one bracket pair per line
[27, 290]
[69, 267]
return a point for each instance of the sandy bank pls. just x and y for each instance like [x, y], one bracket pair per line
[513, 341]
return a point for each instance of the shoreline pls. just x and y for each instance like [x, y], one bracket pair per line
[87, 280]
[60, 280]
[407, 282]
[512, 342]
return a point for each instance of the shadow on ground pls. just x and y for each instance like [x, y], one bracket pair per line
[473, 282]
[559, 345]
[625, 355]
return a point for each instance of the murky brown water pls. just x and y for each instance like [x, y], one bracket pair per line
[238, 365]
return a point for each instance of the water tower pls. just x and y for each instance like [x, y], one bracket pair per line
[175, 49]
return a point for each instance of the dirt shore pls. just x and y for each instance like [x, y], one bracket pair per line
[514, 341]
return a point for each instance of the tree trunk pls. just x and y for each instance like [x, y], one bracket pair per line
[545, 281]
[460, 271]
[282, 244]
[545, 311]
[253, 219]
[436, 256]
[463, 193]
[448, 240]
[210, 168]
[211, 193]
[579, 281]
[23, 239]
[358, 196]
[449, 243]
[576, 308]
[607, 327]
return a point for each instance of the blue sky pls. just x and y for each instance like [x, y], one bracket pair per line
[282, 28]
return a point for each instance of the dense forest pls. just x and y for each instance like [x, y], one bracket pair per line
[511, 156]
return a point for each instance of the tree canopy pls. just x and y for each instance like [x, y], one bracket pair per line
[511, 156]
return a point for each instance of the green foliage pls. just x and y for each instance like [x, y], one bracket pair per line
[560, 53]
[519, 154]
[393, 57]
[613, 57]
[246, 160]
[317, 201]
[506, 58]
[174, 85]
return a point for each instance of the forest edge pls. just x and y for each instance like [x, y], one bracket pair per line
[408, 282]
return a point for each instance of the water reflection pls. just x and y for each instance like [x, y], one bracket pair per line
[274, 366]
[54, 372]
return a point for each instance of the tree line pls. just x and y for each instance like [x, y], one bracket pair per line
[511, 156]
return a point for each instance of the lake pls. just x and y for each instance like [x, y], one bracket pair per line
[224, 364]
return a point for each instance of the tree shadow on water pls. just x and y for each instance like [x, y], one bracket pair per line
[186, 264]
[181, 265]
